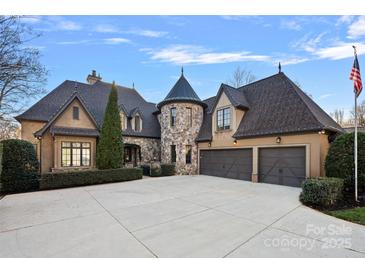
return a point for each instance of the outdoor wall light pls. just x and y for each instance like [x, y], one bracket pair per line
[235, 142]
[278, 140]
[322, 131]
[209, 144]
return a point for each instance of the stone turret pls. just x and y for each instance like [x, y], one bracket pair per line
[180, 119]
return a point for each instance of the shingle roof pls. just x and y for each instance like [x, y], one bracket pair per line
[74, 131]
[277, 106]
[205, 133]
[181, 91]
[95, 98]
[237, 98]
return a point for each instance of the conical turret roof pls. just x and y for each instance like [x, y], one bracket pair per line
[181, 92]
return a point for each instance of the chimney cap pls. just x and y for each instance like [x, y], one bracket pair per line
[93, 78]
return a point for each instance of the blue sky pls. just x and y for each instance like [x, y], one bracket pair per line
[315, 51]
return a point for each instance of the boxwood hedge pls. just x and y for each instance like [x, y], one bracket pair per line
[322, 192]
[20, 168]
[54, 180]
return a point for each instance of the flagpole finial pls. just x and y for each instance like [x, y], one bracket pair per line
[182, 71]
[279, 67]
[354, 49]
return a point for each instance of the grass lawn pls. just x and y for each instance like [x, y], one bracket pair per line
[355, 215]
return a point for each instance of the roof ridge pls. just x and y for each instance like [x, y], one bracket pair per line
[263, 79]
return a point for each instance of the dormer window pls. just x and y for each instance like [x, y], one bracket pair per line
[224, 118]
[123, 120]
[173, 117]
[75, 113]
[137, 123]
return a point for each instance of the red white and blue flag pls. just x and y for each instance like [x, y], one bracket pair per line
[356, 77]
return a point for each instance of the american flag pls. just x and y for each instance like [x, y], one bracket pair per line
[356, 77]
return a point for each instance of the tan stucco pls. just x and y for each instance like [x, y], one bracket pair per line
[66, 119]
[316, 149]
[236, 117]
[27, 132]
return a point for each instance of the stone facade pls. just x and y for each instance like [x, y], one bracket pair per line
[150, 148]
[181, 135]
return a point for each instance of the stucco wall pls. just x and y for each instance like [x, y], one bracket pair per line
[316, 149]
[27, 130]
[66, 118]
[150, 148]
[236, 117]
[181, 134]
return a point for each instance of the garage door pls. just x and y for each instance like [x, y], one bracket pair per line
[282, 166]
[228, 163]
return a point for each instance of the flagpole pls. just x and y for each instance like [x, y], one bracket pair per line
[355, 146]
[355, 141]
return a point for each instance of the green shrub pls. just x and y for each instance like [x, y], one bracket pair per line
[167, 169]
[146, 170]
[89, 177]
[20, 168]
[340, 160]
[155, 172]
[110, 147]
[321, 192]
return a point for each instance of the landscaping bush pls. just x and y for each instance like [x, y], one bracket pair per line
[90, 177]
[146, 170]
[340, 161]
[155, 171]
[321, 192]
[20, 168]
[167, 169]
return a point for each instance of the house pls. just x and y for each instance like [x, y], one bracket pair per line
[267, 131]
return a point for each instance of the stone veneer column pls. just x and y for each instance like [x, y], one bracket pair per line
[181, 134]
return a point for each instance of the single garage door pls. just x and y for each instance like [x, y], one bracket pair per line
[282, 166]
[228, 163]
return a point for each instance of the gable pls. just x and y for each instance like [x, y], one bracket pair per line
[65, 119]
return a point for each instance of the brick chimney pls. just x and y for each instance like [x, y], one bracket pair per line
[92, 78]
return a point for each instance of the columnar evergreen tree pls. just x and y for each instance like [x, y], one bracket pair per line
[110, 147]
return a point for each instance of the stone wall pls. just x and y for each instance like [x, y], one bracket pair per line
[181, 134]
[150, 148]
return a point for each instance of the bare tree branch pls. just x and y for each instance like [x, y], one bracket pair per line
[22, 76]
[338, 116]
[360, 114]
[241, 77]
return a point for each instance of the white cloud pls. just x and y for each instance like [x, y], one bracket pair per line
[290, 24]
[345, 19]
[232, 17]
[357, 28]
[106, 28]
[324, 96]
[30, 19]
[75, 42]
[69, 25]
[308, 43]
[116, 40]
[148, 33]
[292, 61]
[339, 51]
[192, 54]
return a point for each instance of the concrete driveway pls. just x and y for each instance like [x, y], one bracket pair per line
[181, 216]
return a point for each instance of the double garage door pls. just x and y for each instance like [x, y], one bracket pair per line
[283, 166]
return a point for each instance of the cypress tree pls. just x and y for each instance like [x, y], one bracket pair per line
[110, 146]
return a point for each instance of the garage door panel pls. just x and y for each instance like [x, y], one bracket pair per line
[228, 163]
[284, 166]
